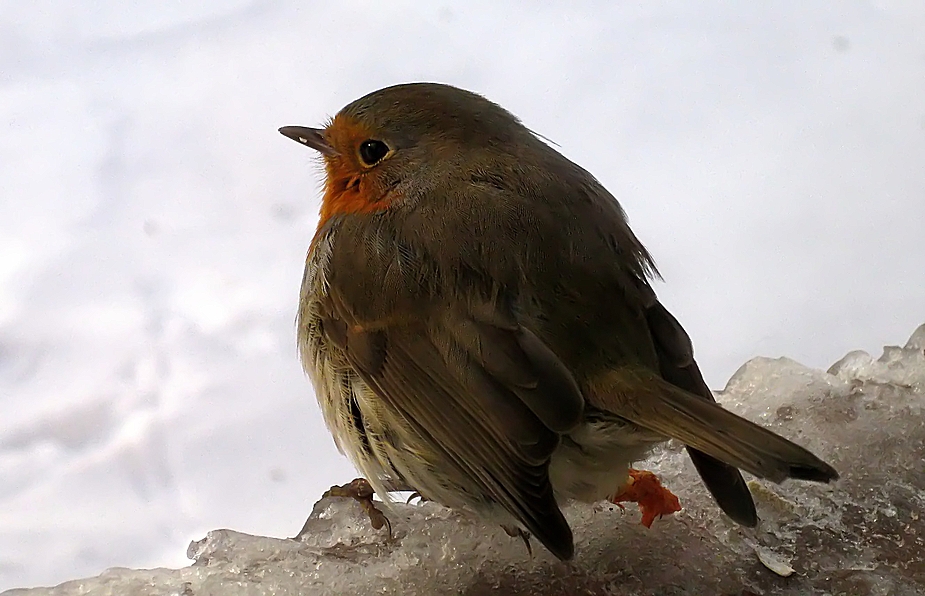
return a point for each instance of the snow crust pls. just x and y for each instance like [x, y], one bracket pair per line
[863, 535]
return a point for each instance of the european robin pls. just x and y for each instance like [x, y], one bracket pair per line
[478, 322]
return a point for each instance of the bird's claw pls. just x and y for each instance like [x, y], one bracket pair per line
[416, 495]
[515, 532]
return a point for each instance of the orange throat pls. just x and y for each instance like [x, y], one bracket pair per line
[348, 193]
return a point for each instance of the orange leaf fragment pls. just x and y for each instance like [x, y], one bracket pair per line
[654, 499]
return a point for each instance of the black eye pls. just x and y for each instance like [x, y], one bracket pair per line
[372, 151]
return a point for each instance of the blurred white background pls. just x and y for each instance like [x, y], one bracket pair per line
[153, 223]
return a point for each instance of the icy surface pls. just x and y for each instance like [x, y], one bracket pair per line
[863, 535]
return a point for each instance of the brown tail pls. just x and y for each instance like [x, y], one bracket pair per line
[717, 432]
[646, 399]
[677, 366]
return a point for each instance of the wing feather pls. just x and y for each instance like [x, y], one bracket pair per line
[483, 399]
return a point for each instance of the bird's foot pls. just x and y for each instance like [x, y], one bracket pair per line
[654, 500]
[515, 532]
[360, 490]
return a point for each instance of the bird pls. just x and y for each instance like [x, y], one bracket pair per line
[479, 324]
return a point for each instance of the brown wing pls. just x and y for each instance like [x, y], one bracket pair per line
[489, 399]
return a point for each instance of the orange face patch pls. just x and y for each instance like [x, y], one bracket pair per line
[349, 186]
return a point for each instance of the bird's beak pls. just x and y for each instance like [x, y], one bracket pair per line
[312, 137]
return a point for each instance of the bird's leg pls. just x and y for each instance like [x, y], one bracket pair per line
[645, 489]
[515, 532]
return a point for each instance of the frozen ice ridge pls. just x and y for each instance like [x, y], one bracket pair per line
[863, 535]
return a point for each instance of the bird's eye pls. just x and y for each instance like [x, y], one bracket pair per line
[372, 151]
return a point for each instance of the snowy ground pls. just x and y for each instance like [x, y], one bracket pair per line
[153, 223]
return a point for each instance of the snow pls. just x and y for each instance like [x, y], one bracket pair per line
[153, 224]
[862, 535]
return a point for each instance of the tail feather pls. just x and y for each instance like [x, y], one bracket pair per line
[727, 486]
[717, 432]
[677, 366]
[646, 399]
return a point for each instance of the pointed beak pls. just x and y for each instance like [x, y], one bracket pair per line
[312, 137]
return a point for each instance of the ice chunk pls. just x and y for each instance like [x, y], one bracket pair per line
[863, 535]
[775, 562]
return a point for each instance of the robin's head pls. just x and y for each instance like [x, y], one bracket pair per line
[406, 138]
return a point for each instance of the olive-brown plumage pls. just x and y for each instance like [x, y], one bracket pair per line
[478, 323]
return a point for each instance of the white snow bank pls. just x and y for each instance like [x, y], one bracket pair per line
[862, 535]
